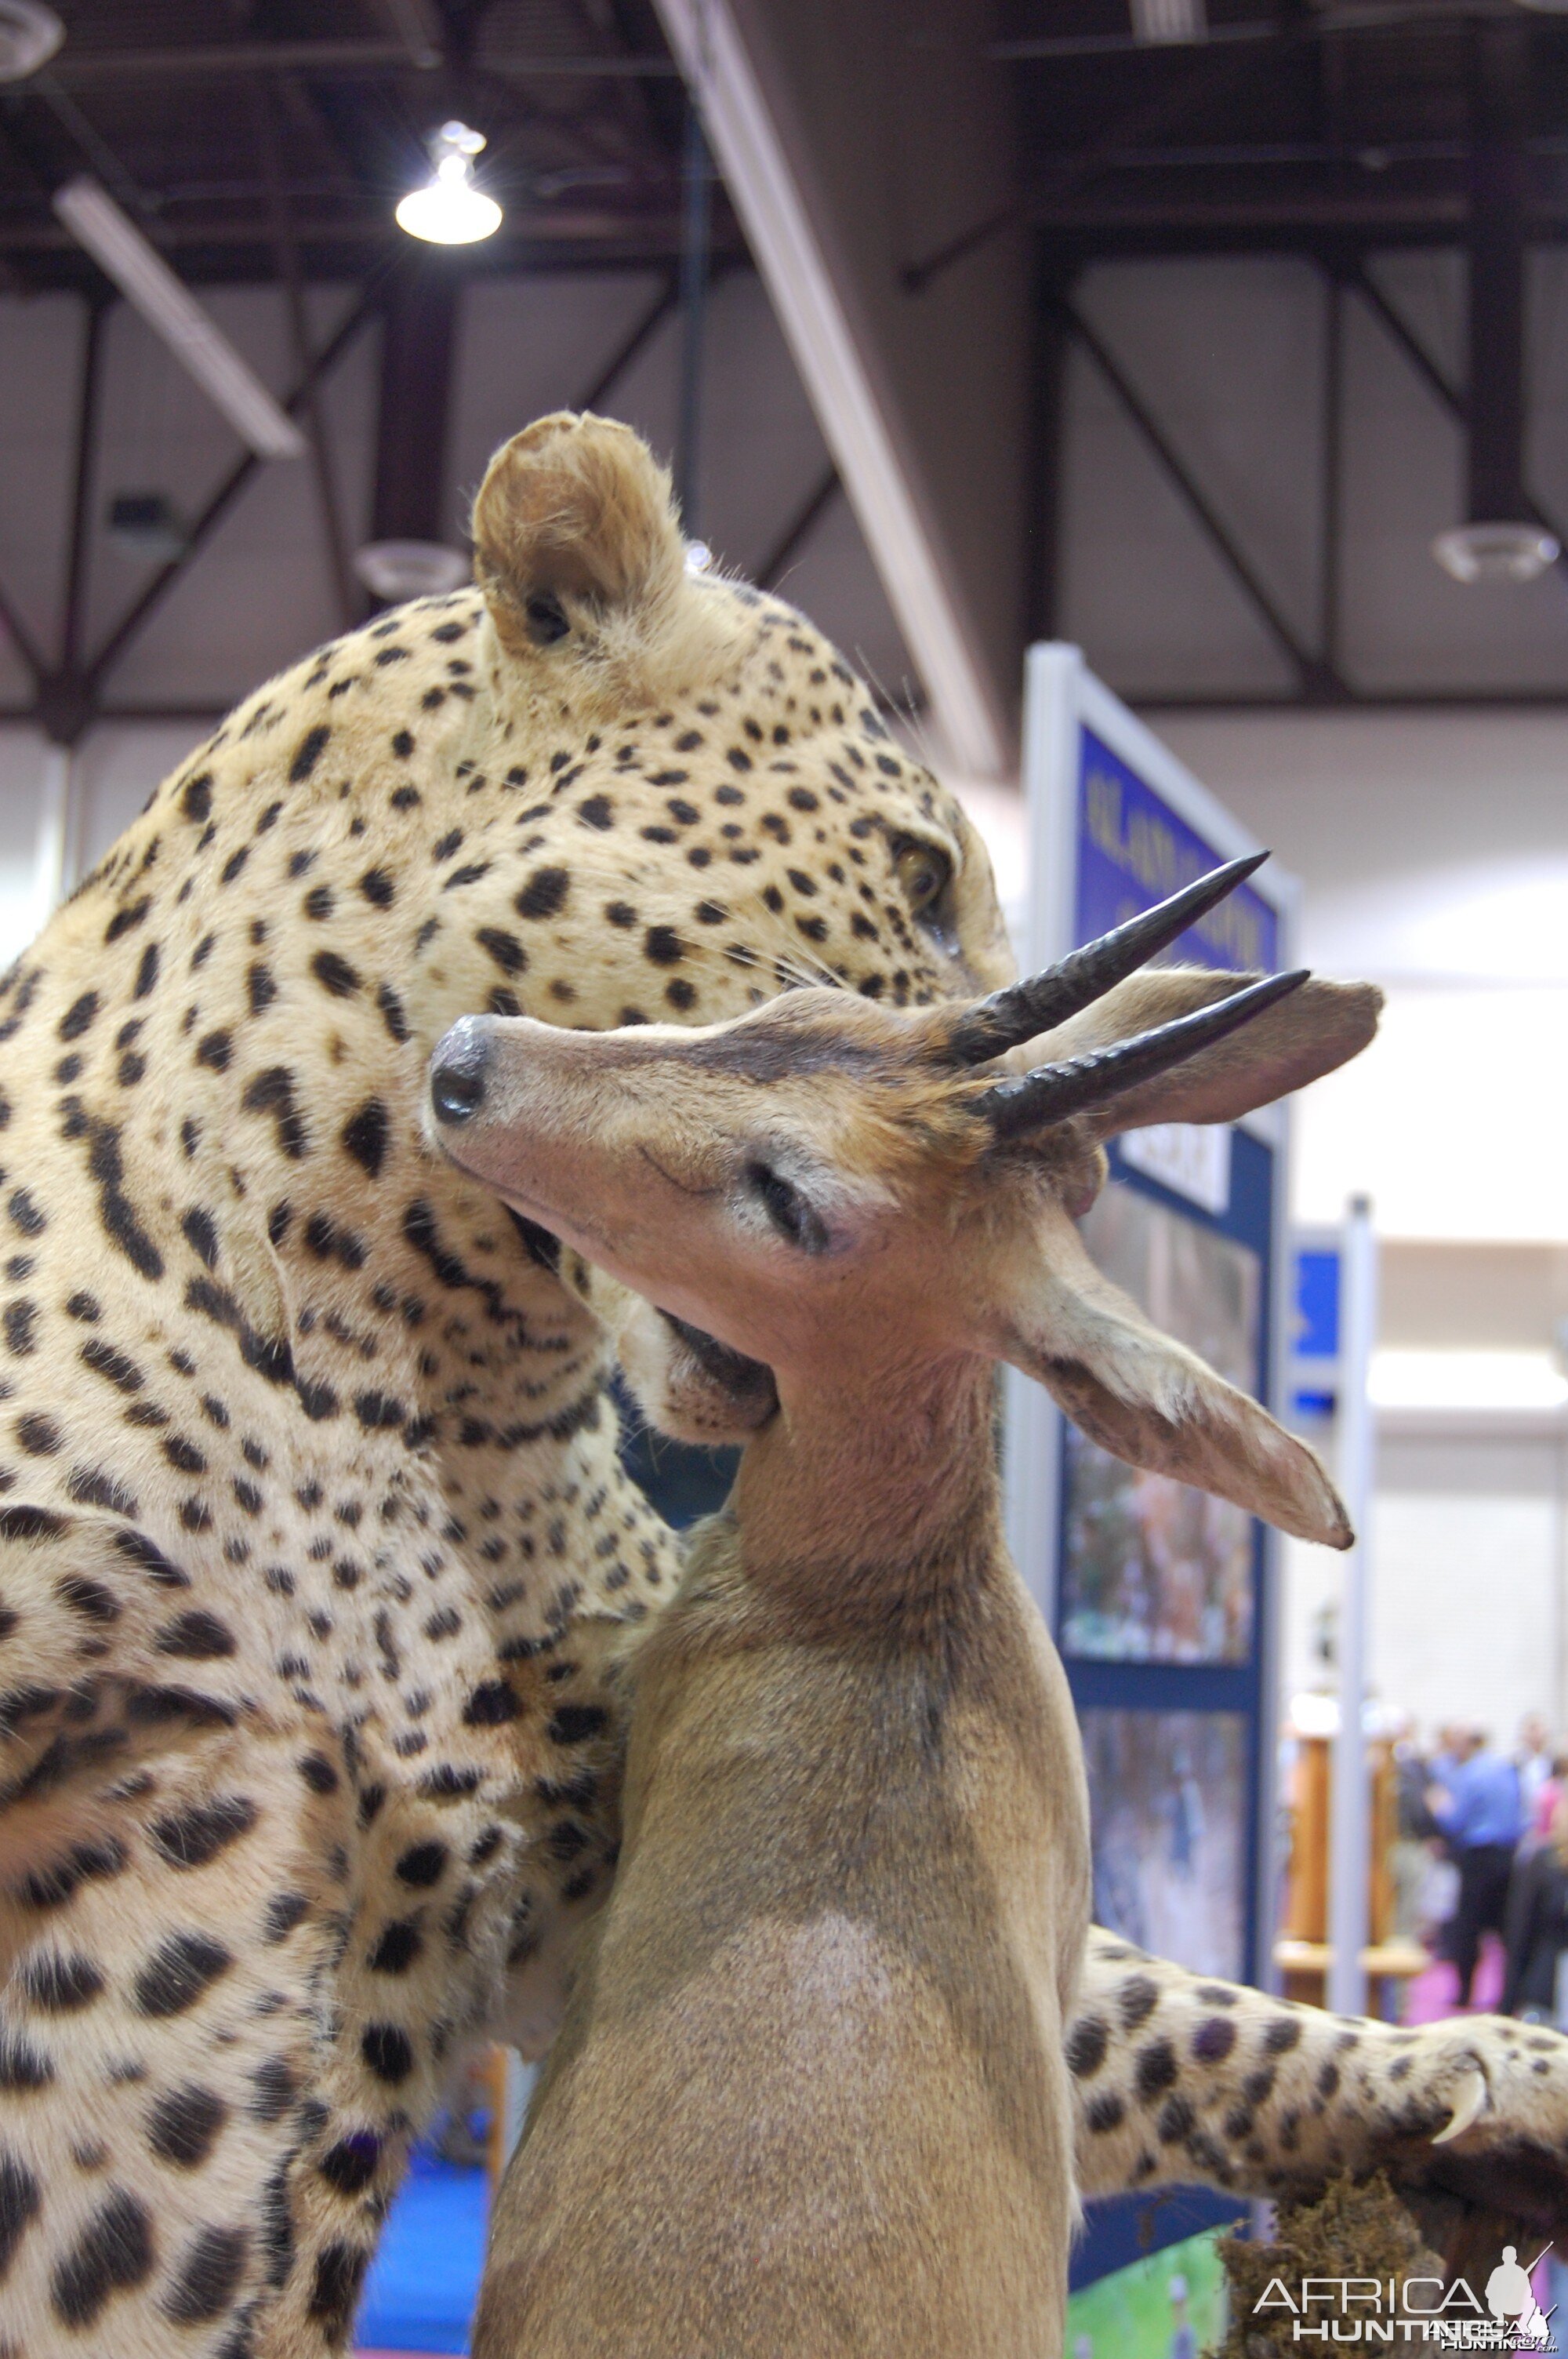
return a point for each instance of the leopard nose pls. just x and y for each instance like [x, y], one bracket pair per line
[457, 1073]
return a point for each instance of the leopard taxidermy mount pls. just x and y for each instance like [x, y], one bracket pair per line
[313, 1536]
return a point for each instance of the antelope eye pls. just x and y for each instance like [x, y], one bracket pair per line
[924, 872]
[786, 1208]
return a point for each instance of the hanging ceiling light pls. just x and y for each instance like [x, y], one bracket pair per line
[394, 570]
[1500, 542]
[29, 36]
[1485, 553]
[448, 210]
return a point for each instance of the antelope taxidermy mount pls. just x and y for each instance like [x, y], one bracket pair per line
[809, 2096]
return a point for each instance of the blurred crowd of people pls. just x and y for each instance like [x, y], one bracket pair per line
[1482, 1848]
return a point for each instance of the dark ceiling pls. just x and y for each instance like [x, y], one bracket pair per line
[270, 140]
[225, 127]
[1289, 126]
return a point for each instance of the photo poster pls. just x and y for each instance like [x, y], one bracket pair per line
[1160, 1588]
[1170, 2305]
[1158, 1596]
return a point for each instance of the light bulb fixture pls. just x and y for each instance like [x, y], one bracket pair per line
[29, 36]
[1485, 554]
[1164, 22]
[394, 570]
[448, 210]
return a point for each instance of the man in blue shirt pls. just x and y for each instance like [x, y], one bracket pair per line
[1475, 1802]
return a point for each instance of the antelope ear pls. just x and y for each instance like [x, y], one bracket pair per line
[1317, 1028]
[579, 556]
[1152, 1403]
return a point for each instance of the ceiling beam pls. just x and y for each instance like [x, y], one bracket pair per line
[419, 27]
[362, 229]
[1316, 678]
[1288, 29]
[265, 107]
[789, 543]
[89, 390]
[1371, 220]
[21, 638]
[418, 351]
[1357, 277]
[219, 502]
[634, 341]
[206, 60]
[1495, 472]
[848, 390]
[1045, 481]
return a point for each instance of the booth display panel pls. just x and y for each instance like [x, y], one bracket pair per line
[1169, 2306]
[1167, 1799]
[1161, 1598]
[1151, 1570]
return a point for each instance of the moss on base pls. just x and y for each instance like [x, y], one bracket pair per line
[1352, 2230]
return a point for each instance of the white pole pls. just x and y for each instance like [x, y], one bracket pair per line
[52, 843]
[1032, 1421]
[517, 2089]
[1349, 1855]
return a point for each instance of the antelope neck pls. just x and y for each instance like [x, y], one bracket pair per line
[874, 1498]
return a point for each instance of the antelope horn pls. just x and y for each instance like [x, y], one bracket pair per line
[1042, 1000]
[1051, 1093]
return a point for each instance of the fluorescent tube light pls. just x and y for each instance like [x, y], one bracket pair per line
[170, 309]
[1466, 1380]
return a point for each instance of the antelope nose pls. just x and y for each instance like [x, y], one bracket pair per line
[457, 1073]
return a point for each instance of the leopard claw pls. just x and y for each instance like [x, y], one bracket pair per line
[1470, 2103]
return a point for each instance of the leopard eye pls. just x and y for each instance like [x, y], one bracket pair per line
[925, 871]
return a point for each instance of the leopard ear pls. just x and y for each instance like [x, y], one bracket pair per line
[579, 552]
[573, 514]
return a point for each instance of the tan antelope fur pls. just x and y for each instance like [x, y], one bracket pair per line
[810, 2093]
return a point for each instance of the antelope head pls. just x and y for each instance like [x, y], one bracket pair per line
[826, 1191]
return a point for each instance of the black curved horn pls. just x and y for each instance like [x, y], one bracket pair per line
[1040, 1001]
[1051, 1093]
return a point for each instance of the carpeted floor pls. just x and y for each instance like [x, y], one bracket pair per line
[1435, 1994]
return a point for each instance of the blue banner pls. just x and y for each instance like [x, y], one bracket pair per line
[1133, 850]
[1160, 1596]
